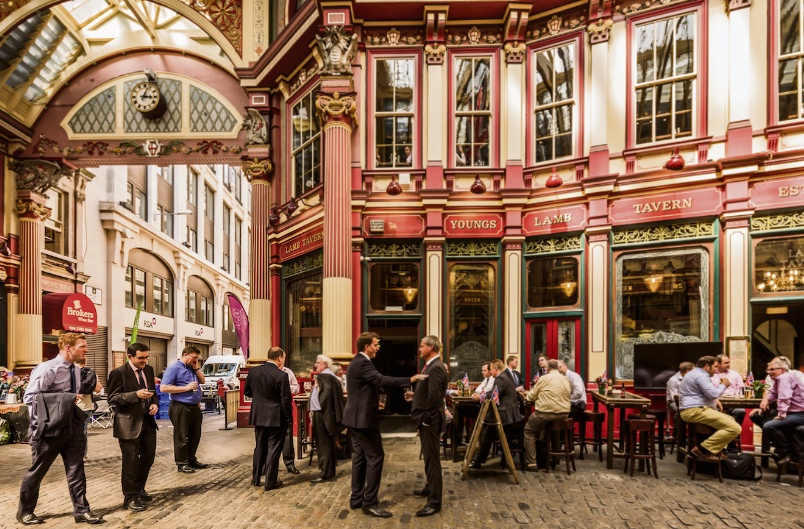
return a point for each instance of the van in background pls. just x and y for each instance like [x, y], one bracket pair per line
[222, 367]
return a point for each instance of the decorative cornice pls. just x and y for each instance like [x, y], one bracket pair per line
[257, 169]
[30, 209]
[337, 108]
[394, 37]
[600, 30]
[38, 176]
[474, 36]
[129, 148]
[555, 25]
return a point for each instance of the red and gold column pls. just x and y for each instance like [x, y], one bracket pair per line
[337, 112]
[259, 308]
[34, 179]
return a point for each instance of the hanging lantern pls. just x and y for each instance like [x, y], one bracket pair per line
[554, 180]
[477, 187]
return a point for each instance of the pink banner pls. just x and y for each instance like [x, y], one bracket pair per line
[240, 319]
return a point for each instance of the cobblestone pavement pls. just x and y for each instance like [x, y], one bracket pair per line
[221, 497]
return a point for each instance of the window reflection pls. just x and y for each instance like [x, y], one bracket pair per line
[472, 318]
[555, 76]
[394, 287]
[779, 265]
[306, 144]
[472, 111]
[394, 113]
[303, 324]
[553, 282]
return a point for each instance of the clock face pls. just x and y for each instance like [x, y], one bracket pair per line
[145, 96]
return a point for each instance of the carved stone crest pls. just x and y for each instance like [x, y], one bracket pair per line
[38, 175]
[600, 30]
[337, 49]
[256, 128]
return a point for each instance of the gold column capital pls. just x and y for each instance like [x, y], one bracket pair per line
[337, 108]
[31, 209]
[257, 168]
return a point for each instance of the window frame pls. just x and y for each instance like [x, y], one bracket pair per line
[56, 222]
[416, 141]
[319, 136]
[192, 187]
[699, 111]
[494, 105]
[209, 202]
[774, 79]
[576, 40]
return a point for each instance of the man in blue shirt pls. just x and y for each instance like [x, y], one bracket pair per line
[182, 380]
[697, 401]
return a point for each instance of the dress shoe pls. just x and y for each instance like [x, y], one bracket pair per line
[187, 469]
[376, 510]
[134, 505]
[257, 484]
[276, 486]
[421, 492]
[293, 470]
[144, 496]
[88, 517]
[781, 460]
[709, 458]
[474, 464]
[198, 464]
[29, 519]
[320, 480]
[427, 511]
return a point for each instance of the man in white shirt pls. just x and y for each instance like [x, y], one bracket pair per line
[578, 395]
[672, 391]
[488, 380]
[288, 455]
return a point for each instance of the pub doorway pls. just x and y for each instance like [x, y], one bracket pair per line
[777, 330]
[397, 357]
[558, 338]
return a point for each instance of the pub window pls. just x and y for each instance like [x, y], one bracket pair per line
[306, 145]
[553, 282]
[393, 112]
[791, 53]
[555, 102]
[394, 287]
[303, 326]
[472, 317]
[472, 111]
[779, 265]
[54, 224]
[661, 296]
[665, 78]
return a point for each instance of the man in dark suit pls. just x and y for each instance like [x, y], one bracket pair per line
[131, 392]
[362, 416]
[514, 375]
[326, 405]
[429, 418]
[271, 415]
[508, 409]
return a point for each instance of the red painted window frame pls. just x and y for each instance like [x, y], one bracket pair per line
[700, 112]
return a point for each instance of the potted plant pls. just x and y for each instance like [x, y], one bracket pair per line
[602, 384]
[759, 388]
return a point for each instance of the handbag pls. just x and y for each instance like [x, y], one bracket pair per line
[740, 466]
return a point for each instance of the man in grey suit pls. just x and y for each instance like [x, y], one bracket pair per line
[326, 406]
[429, 418]
[508, 408]
[271, 415]
[131, 392]
[362, 416]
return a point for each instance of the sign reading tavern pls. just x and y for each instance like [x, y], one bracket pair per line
[301, 244]
[667, 206]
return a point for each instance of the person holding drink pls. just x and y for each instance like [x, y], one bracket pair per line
[182, 380]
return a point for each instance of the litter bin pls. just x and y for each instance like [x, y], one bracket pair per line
[164, 404]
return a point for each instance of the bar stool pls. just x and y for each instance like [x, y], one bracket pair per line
[596, 418]
[696, 429]
[661, 416]
[640, 434]
[556, 430]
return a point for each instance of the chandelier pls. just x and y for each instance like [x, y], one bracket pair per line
[784, 280]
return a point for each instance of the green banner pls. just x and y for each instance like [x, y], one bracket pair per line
[136, 325]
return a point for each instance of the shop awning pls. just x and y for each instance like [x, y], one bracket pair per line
[68, 312]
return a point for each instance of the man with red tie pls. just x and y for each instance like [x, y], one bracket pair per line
[131, 392]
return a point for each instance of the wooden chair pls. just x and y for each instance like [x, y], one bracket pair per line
[640, 444]
[560, 435]
[696, 429]
[661, 417]
[596, 419]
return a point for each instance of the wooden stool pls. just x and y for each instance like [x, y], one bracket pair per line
[661, 416]
[696, 429]
[597, 419]
[556, 430]
[781, 469]
[638, 431]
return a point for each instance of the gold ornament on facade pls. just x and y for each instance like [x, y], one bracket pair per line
[777, 222]
[554, 25]
[553, 244]
[514, 53]
[337, 49]
[335, 107]
[472, 249]
[29, 208]
[663, 233]
[226, 15]
[435, 53]
[474, 36]
[394, 250]
[257, 169]
[393, 37]
[600, 30]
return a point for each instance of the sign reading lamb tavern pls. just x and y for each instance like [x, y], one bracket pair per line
[556, 220]
[302, 244]
[473, 224]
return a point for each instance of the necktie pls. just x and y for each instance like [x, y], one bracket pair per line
[516, 379]
[72, 378]
[141, 379]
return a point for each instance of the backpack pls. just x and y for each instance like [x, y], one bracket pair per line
[738, 465]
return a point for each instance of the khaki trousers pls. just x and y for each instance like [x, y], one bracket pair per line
[727, 428]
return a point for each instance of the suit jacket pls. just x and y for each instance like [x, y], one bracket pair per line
[53, 415]
[269, 388]
[129, 410]
[520, 382]
[509, 401]
[363, 382]
[330, 396]
[428, 398]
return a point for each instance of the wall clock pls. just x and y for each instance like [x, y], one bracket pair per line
[146, 98]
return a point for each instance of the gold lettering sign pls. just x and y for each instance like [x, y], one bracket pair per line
[563, 218]
[662, 205]
[488, 224]
[302, 243]
[791, 191]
